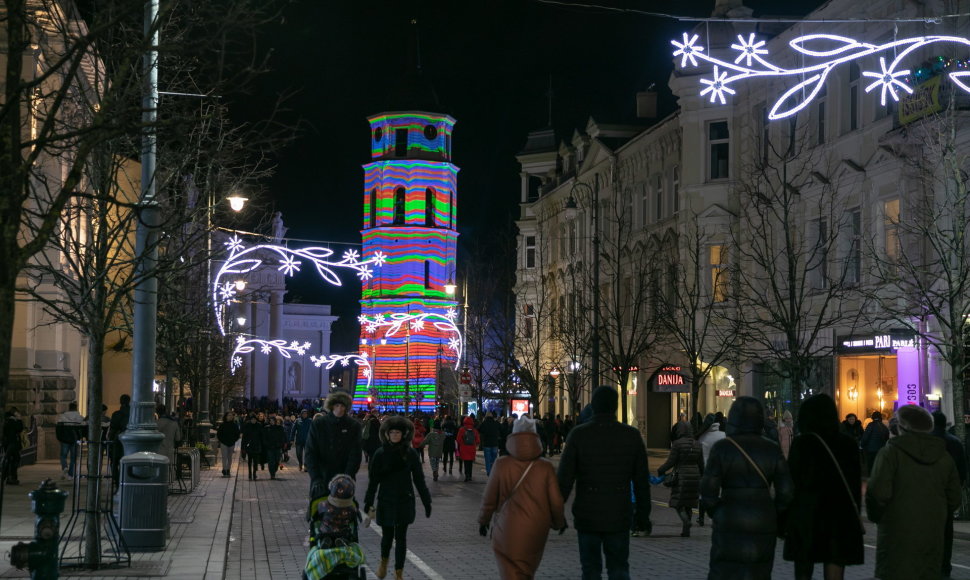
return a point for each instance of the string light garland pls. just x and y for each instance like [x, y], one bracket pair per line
[834, 50]
[247, 345]
[358, 358]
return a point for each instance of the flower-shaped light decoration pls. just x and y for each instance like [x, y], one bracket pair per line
[452, 314]
[247, 345]
[243, 260]
[393, 323]
[821, 54]
[227, 291]
[358, 358]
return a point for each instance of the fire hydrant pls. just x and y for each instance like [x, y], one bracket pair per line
[40, 556]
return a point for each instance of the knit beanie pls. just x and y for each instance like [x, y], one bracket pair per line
[914, 419]
[604, 400]
[524, 424]
[342, 489]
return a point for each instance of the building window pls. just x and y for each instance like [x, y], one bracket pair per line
[644, 206]
[451, 210]
[399, 206]
[854, 256]
[427, 274]
[562, 241]
[530, 252]
[765, 135]
[718, 140]
[528, 313]
[373, 208]
[429, 220]
[854, 95]
[820, 102]
[819, 257]
[401, 143]
[675, 189]
[890, 211]
[572, 238]
[719, 273]
[659, 191]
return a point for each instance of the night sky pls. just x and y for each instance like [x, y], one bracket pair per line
[488, 62]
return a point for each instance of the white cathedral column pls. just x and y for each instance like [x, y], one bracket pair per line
[275, 385]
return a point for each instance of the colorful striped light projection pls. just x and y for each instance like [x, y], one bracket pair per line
[407, 320]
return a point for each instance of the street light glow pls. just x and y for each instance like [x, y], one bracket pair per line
[237, 202]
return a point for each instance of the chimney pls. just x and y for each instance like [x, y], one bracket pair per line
[647, 104]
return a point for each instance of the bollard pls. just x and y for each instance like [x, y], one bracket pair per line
[40, 556]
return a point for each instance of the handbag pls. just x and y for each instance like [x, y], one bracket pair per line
[845, 482]
[498, 512]
[671, 479]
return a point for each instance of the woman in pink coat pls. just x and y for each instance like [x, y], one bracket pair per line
[467, 440]
[522, 502]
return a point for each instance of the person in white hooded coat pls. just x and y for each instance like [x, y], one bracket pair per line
[710, 434]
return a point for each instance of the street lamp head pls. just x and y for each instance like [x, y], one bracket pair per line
[241, 320]
[236, 202]
[450, 289]
[240, 285]
[571, 202]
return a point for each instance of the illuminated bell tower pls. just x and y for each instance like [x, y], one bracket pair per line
[410, 222]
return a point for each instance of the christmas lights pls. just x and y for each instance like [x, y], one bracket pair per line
[360, 359]
[247, 345]
[243, 260]
[833, 49]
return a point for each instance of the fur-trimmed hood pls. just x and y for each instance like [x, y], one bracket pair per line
[338, 397]
[403, 424]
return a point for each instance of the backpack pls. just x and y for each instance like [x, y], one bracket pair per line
[469, 438]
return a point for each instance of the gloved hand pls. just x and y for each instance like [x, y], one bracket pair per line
[562, 530]
[427, 511]
[483, 530]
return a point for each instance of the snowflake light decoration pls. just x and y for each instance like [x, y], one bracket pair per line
[247, 345]
[833, 50]
[243, 260]
[417, 321]
[358, 358]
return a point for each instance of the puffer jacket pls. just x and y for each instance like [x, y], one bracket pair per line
[687, 460]
[394, 473]
[914, 484]
[333, 446]
[744, 512]
[602, 457]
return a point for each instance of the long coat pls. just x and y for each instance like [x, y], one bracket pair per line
[687, 460]
[822, 523]
[467, 452]
[521, 528]
[744, 513]
[333, 446]
[393, 470]
[914, 484]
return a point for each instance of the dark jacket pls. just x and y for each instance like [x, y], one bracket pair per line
[450, 428]
[372, 442]
[253, 438]
[744, 512]
[302, 430]
[333, 447]
[490, 432]
[228, 433]
[687, 460]
[955, 449]
[875, 436]
[394, 473]
[12, 426]
[274, 437]
[602, 457]
[853, 430]
[117, 426]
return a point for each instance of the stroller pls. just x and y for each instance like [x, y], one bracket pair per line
[334, 524]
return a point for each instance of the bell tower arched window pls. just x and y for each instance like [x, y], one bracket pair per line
[427, 274]
[399, 206]
[429, 208]
[373, 208]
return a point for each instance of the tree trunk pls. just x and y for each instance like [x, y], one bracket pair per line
[92, 521]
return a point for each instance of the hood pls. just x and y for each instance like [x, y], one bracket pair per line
[524, 445]
[468, 422]
[923, 448]
[401, 423]
[714, 427]
[746, 416]
[682, 429]
[338, 397]
[70, 417]
[818, 414]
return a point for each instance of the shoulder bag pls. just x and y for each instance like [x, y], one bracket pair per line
[500, 509]
[751, 461]
[845, 482]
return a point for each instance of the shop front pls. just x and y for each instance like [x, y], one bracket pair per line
[877, 373]
[668, 397]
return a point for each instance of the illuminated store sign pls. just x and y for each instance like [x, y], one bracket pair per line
[888, 342]
[669, 379]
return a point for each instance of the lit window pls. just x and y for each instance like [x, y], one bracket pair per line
[719, 273]
[530, 251]
[718, 140]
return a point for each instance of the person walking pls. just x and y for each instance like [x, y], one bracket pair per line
[171, 432]
[468, 439]
[711, 434]
[786, 432]
[956, 451]
[601, 458]
[370, 436]
[300, 432]
[913, 485]
[253, 445]
[824, 524]
[274, 437]
[13, 427]
[333, 445]
[419, 433]
[686, 459]
[853, 428]
[434, 441]
[450, 447]
[117, 426]
[227, 434]
[69, 430]
[521, 503]
[490, 432]
[873, 439]
[394, 474]
[736, 491]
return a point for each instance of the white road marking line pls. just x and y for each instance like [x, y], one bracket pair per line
[414, 559]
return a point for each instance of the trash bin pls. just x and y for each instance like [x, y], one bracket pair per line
[143, 507]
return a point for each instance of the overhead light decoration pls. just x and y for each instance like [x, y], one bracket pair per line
[390, 325]
[834, 51]
[247, 345]
[243, 260]
[358, 358]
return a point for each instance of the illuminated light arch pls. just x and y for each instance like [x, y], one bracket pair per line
[247, 345]
[243, 260]
[833, 49]
[358, 358]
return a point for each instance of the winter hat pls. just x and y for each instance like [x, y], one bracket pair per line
[342, 488]
[914, 419]
[524, 424]
[338, 398]
[745, 416]
[397, 423]
[604, 400]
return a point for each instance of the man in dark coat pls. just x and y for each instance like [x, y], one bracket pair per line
[490, 432]
[602, 457]
[955, 449]
[118, 425]
[873, 439]
[333, 445]
[13, 425]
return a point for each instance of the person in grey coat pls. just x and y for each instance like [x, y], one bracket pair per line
[687, 461]
[168, 427]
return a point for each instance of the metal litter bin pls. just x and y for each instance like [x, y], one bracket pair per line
[143, 507]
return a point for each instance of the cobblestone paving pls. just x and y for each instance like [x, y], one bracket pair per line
[268, 537]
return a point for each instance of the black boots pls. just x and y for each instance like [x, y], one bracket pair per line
[685, 519]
